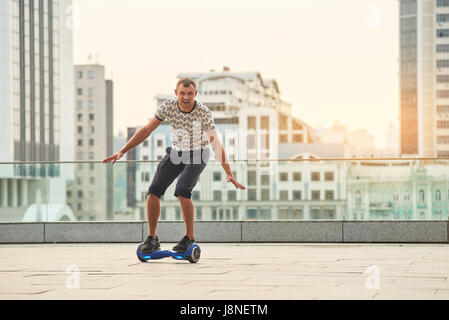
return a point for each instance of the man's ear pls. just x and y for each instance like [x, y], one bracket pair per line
[176, 92]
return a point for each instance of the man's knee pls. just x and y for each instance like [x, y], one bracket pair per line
[153, 196]
[183, 193]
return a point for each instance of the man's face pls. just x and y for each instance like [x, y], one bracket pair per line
[186, 95]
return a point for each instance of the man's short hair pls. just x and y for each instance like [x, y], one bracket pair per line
[186, 82]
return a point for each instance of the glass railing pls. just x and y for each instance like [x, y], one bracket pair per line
[276, 190]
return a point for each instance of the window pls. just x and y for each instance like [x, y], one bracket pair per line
[298, 213]
[251, 141]
[159, 142]
[443, 3]
[443, 139]
[252, 178]
[195, 195]
[199, 213]
[283, 176]
[79, 104]
[316, 194]
[91, 116]
[265, 194]
[442, 78]
[80, 194]
[232, 195]
[315, 176]
[79, 74]
[265, 141]
[91, 104]
[92, 180]
[422, 196]
[90, 74]
[329, 195]
[264, 123]
[265, 179]
[91, 91]
[329, 176]
[443, 154]
[358, 197]
[442, 17]
[443, 109]
[442, 48]
[395, 196]
[297, 176]
[79, 91]
[217, 176]
[296, 125]
[145, 158]
[283, 138]
[252, 194]
[145, 143]
[283, 195]
[217, 195]
[406, 197]
[443, 124]
[297, 138]
[91, 155]
[69, 194]
[442, 63]
[80, 142]
[438, 195]
[442, 33]
[443, 93]
[251, 123]
[91, 129]
[80, 116]
[159, 157]
[91, 142]
[297, 195]
[283, 122]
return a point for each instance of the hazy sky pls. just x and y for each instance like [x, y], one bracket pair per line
[333, 59]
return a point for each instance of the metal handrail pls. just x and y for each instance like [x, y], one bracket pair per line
[233, 161]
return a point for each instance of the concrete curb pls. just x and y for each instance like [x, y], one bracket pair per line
[230, 231]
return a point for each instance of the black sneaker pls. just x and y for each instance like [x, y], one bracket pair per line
[150, 245]
[183, 244]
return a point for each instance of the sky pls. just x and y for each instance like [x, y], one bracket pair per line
[332, 59]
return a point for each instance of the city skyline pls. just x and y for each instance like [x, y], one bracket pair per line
[348, 61]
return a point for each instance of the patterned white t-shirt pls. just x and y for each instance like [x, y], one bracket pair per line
[188, 128]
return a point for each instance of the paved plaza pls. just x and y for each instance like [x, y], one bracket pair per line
[244, 271]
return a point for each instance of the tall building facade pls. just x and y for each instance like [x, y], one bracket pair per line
[424, 77]
[35, 55]
[90, 194]
[36, 104]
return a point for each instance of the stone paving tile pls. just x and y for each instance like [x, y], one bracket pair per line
[227, 271]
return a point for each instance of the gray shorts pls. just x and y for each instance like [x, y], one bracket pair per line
[188, 165]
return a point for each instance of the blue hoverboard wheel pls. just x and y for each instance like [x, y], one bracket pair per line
[194, 251]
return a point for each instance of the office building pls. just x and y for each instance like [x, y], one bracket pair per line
[424, 78]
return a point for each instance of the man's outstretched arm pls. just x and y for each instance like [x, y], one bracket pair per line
[221, 156]
[136, 139]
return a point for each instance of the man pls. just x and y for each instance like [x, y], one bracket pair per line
[191, 121]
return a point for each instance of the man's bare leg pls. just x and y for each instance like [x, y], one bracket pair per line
[153, 212]
[187, 209]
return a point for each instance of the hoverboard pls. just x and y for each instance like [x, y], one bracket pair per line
[192, 254]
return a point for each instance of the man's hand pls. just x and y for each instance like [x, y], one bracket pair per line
[230, 178]
[113, 158]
